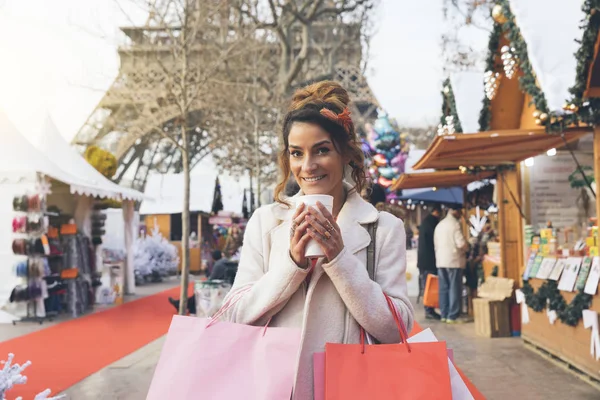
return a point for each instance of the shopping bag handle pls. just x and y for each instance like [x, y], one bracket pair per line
[399, 324]
[228, 304]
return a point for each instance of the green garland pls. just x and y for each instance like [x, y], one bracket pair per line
[449, 107]
[588, 110]
[485, 115]
[549, 296]
[528, 80]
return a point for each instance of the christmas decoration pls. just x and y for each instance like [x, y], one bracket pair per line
[387, 151]
[577, 110]
[42, 186]
[102, 160]
[549, 296]
[509, 60]
[12, 374]
[485, 115]
[154, 257]
[449, 110]
[491, 82]
[498, 14]
[447, 128]
[477, 221]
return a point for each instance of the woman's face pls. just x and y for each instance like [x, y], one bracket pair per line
[316, 164]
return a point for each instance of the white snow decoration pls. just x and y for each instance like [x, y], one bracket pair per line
[477, 222]
[153, 254]
[12, 374]
[550, 28]
[468, 89]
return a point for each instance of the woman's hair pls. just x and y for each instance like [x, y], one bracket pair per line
[306, 107]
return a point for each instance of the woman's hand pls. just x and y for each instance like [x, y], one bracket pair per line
[325, 231]
[298, 236]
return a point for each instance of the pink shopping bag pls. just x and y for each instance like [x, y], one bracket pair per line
[225, 361]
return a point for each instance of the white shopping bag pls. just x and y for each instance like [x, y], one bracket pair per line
[459, 388]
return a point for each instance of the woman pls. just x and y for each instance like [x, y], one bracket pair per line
[329, 301]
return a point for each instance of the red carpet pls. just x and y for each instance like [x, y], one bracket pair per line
[68, 352]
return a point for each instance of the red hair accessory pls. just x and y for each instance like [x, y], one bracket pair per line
[342, 118]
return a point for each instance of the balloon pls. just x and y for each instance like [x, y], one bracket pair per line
[386, 183]
[388, 172]
[380, 160]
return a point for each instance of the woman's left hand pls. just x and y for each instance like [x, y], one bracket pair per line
[325, 231]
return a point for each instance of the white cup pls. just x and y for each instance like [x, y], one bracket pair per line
[313, 249]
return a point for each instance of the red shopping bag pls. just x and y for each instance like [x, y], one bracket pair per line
[431, 296]
[206, 359]
[387, 371]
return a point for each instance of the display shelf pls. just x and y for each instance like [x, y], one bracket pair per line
[571, 344]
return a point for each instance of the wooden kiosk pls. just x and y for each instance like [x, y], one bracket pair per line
[521, 118]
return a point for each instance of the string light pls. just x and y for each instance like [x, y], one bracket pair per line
[529, 162]
[509, 60]
[491, 82]
[551, 152]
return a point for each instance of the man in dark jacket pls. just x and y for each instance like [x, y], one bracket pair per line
[426, 253]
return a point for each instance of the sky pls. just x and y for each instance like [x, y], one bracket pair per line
[59, 57]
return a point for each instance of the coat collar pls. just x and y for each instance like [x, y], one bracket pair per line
[355, 213]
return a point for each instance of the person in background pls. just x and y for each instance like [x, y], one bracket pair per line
[219, 267]
[450, 254]
[426, 253]
[218, 272]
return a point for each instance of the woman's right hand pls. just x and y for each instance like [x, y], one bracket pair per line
[299, 237]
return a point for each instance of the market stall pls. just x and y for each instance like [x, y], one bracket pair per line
[85, 208]
[165, 208]
[54, 261]
[535, 132]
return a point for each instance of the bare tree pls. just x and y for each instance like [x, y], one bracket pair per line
[193, 45]
[463, 18]
[302, 40]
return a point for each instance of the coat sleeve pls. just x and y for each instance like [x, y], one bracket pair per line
[266, 288]
[364, 297]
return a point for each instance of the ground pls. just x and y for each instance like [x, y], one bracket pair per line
[497, 366]
[501, 368]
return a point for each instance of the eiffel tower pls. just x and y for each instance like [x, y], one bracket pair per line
[125, 120]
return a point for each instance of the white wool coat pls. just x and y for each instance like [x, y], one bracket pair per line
[339, 297]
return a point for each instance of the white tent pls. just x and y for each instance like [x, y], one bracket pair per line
[166, 190]
[20, 160]
[50, 142]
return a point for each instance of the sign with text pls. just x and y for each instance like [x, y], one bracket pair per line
[551, 195]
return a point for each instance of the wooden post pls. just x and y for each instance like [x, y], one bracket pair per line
[597, 174]
[510, 224]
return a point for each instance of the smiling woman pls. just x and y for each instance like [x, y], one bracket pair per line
[331, 298]
[319, 141]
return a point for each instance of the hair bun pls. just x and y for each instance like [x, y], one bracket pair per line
[328, 94]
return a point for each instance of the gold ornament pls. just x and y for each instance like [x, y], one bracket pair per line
[566, 106]
[543, 117]
[553, 120]
[573, 107]
[536, 114]
[498, 14]
[538, 121]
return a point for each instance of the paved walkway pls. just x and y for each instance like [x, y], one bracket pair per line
[501, 369]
